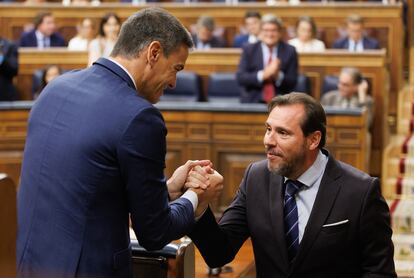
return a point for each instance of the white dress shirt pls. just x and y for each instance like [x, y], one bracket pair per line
[42, 40]
[355, 46]
[305, 198]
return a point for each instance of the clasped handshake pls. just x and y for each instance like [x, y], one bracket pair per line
[198, 176]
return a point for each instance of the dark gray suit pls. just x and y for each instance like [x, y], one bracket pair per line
[362, 247]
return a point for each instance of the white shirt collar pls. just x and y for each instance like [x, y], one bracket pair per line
[122, 67]
[310, 176]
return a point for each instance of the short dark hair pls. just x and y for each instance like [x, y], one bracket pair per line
[39, 18]
[207, 22]
[105, 19]
[311, 22]
[255, 14]
[151, 24]
[315, 117]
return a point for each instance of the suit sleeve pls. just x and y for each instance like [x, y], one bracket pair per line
[219, 243]
[377, 249]
[290, 70]
[142, 162]
[9, 66]
[246, 76]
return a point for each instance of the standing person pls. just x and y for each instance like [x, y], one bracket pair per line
[268, 67]
[308, 215]
[107, 36]
[355, 40]
[306, 32]
[95, 156]
[8, 69]
[44, 34]
[252, 22]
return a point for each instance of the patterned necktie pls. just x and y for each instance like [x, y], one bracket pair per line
[290, 212]
[268, 87]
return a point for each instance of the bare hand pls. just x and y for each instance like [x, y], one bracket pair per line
[271, 71]
[176, 183]
[362, 91]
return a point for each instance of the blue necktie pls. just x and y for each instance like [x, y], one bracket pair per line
[290, 212]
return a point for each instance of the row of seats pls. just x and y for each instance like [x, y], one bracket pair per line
[223, 85]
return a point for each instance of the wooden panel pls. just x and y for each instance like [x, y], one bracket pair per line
[8, 224]
[230, 154]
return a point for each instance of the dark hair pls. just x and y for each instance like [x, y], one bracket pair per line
[309, 20]
[272, 19]
[315, 118]
[355, 74]
[252, 14]
[148, 25]
[39, 18]
[43, 81]
[206, 22]
[105, 19]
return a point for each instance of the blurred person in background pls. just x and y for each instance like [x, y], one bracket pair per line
[252, 23]
[49, 73]
[8, 69]
[86, 33]
[204, 37]
[107, 36]
[306, 32]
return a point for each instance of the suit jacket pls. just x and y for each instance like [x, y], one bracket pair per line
[367, 43]
[362, 247]
[215, 42]
[29, 39]
[95, 153]
[240, 40]
[251, 62]
[8, 69]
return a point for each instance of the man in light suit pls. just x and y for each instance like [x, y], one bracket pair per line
[8, 69]
[308, 215]
[268, 67]
[44, 34]
[95, 155]
[356, 41]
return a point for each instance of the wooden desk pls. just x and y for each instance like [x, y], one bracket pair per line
[231, 136]
[385, 23]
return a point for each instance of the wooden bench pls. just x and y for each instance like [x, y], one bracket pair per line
[8, 224]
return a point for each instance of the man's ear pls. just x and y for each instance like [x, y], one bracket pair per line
[154, 52]
[313, 140]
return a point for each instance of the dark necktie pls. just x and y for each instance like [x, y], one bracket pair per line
[268, 87]
[290, 212]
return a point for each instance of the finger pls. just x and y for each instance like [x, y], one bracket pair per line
[193, 163]
[201, 184]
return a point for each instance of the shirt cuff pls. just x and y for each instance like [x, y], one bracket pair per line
[192, 197]
[280, 78]
[260, 76]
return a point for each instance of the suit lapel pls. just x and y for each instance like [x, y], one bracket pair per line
[116, 70]
[276, 214]
[324, 201]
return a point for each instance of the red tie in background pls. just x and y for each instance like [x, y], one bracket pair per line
[268, 87]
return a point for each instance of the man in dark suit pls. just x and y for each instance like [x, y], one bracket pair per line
[44, 34]
[204, 37]
[252, 23]
[308, 215]
[8, 69]
[356, 41]
[95, 155]
[269, 67]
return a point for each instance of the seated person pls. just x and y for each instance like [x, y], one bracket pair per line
[107, 35]
[305, 40]
[204, 37]
[252, 21]
[356, 41]
[268, 67]
[352, 92]
[49, 73]
[44, 34]
[8, 69]
[86, 33]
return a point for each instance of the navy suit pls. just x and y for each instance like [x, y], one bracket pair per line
[8, 69]
[95, 153]
[359, 245]
[29, 39]
[251, 62]
[367, 43]
[240, 40]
